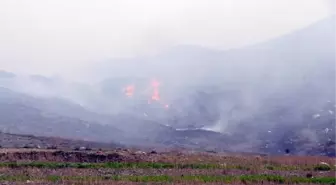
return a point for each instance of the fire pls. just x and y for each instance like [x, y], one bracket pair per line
[129, 90]
[156, 94]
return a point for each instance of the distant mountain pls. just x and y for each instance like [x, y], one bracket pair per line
[281, 65]
[6, 75]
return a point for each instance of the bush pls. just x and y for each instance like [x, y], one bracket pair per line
[322, 167]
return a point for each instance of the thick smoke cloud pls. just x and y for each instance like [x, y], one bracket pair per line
[331, 5]
[69, 37]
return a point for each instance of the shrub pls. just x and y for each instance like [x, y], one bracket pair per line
[322, 167]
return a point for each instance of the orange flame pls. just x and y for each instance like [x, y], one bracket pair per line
[156, 94]
[129, 90]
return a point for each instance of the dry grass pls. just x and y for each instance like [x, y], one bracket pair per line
[285, 166]
[135, 183]
[36, 172]
[169, 157]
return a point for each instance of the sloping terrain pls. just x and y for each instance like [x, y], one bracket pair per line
[24, 114]
[20, 114]
[271, 97]
[16, 142]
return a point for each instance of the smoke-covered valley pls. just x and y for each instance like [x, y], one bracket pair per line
[266, 97]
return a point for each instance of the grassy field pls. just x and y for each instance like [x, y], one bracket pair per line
[131, 167]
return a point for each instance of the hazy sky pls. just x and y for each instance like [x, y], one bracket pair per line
[56, 36]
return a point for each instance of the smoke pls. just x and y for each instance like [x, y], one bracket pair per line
[226, 73]
[69, 37]
[331, 4]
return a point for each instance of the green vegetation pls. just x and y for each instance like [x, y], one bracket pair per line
[165, 178]
[197, 169]
[322, 167]
[144, 165]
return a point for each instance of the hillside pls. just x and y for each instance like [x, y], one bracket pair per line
[267, 97]
[24, 114]
[268, 88]
[17, 142]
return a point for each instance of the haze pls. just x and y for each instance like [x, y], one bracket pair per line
[68, 37]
